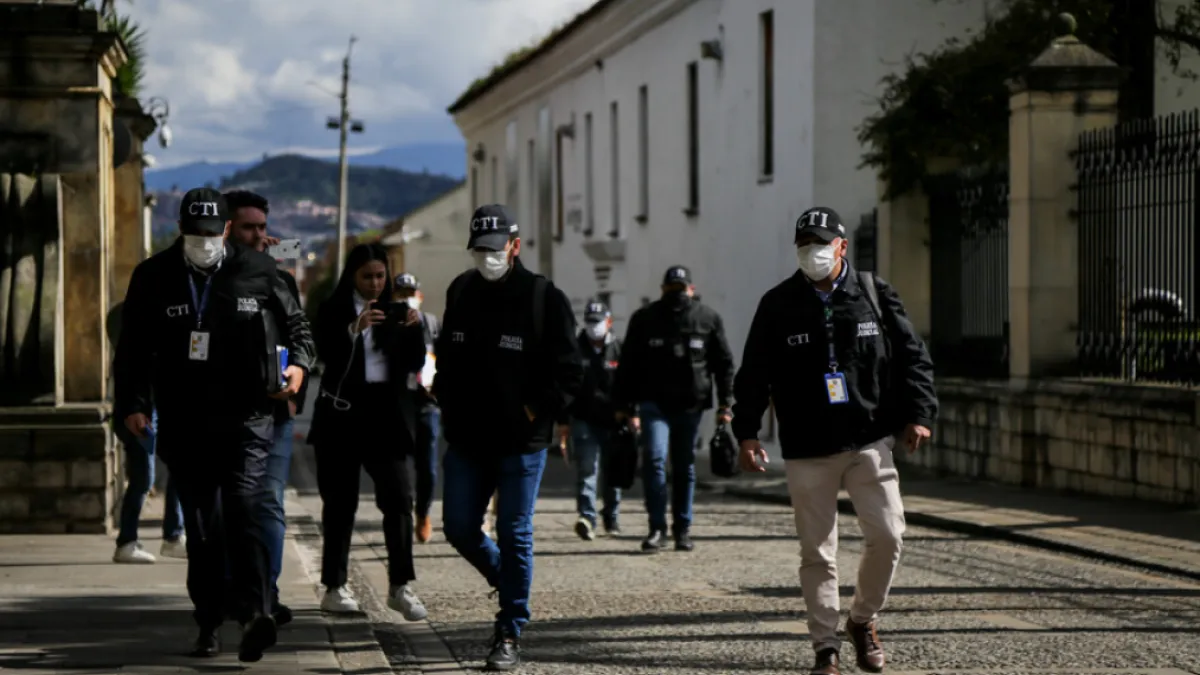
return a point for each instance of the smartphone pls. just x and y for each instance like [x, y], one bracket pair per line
[396, 310]
[286, 249]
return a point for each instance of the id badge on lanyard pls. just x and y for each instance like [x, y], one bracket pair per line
[835, 380]
[200, 337]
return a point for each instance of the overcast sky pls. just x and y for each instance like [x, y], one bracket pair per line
[238, 73]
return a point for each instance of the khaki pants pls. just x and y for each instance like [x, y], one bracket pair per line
[870, 477]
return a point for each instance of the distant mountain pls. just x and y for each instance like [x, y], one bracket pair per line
[443, 159]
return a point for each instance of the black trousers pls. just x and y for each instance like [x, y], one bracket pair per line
[221, 478]
[373, 442]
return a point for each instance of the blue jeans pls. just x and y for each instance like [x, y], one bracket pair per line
[669, 436]
[507, 565]
[429, 424]
[279, 468]
[139, 469]
[591, 445]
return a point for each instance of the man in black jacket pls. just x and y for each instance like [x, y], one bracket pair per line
[674, 349]
[593, 420]
[198, 333]
[849, 377]
[508, 365]
[248, 213]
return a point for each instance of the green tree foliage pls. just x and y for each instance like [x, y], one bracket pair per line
[128, 81]
[387, 192]
[953, 102]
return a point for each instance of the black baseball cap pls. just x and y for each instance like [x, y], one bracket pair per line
[203, 211]
[677, 274]
[491, 228]
[407, 282]
[596, 312]
[821, 222]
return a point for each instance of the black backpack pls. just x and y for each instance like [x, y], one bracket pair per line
[723, 452]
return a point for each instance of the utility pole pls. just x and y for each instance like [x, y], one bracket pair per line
[344, 125]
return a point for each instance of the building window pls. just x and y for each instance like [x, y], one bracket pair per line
[589, 159]
[766, 96]
[643, 153]
[495, 180]
[615, 167]
[546, 147]
[512, 168]
[475, 187]
[531, 176]
[560, 137]
[693, 131]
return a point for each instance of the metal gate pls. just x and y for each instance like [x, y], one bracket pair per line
[968, 231]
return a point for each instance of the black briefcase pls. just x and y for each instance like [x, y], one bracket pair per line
[723, 452]
[621, 464]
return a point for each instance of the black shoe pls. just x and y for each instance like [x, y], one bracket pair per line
[612, 528]
[258, 635]
[505, 654]
[683, 542]
[654, 542]
[282, 614]
[207, 644]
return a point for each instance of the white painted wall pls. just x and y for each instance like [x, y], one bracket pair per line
[436, 260]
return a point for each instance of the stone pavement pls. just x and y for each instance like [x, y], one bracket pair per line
[66, 608]
[961, 605]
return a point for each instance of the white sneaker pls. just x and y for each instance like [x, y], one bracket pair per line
[339, 601]
[583, 528]
[133, 554]
[175, 549]
[402, 599]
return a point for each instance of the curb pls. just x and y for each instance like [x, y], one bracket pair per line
[974, 529]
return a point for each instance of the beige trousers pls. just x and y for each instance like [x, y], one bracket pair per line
[870, 477]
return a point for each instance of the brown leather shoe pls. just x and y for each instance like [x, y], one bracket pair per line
[424, 529]
[827, 663]
[866, 645]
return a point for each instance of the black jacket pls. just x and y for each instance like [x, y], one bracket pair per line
[889, 375]
[491, 365]
[152, 367]
[345, 376]
[674, 350]
[282, 412]
[595, 404]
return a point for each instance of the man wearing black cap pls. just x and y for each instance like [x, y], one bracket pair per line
[674, 349]
[200, 327]
[850, 378]
[429, 421]
[592, 422]
[508, 365]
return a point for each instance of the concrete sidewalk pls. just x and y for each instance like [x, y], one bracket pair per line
[1141, 534]
[66, 608]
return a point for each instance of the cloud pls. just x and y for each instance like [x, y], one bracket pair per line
[245, 77]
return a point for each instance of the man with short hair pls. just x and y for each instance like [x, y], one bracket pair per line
[850, 379]
[248, 226]
[429, 419]
[674, 350]
[508, 365]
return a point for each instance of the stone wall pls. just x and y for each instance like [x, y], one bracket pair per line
[1113, 440]
[58, 471]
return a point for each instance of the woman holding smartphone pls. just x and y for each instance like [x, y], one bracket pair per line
[364, 417]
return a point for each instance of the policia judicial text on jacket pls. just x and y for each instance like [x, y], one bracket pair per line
[153, 366]
[493, 362]
[889, 375]
[674, 349]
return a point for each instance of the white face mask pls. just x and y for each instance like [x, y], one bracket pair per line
[597, 331]
[413, 302]
[816, 260]
[493, 265]
[203, 252]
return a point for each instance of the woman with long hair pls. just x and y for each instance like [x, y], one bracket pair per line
[364, 417]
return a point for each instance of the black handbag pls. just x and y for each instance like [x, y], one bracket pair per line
[621, 464]
[723, 452]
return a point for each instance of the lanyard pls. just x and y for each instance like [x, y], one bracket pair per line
[833, 364]
[199, 301]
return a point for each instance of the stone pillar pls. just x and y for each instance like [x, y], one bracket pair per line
[1070, 88]
[58, 465]
[132, 126]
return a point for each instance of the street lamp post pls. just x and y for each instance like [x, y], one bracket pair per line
[344, 125]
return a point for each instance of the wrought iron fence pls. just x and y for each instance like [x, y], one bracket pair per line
[1137, 216]
[968, 232]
